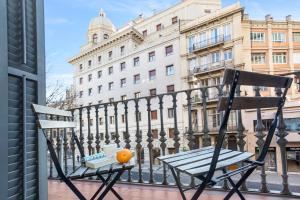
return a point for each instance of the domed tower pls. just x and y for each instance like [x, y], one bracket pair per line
[100, 28]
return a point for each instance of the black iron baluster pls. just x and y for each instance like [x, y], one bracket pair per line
[72, 144]
[117, 135]
[81, 137]
[281, 133]
[190, 137]
[259, 128]
[97, 129]
[162, 137]
[138, 140]
[241, 135]
[206, 141]
[176, 131]
[127, 136]
[58, 143]
[65, 144]
[150, 140]
[107, 141]
[89, 137]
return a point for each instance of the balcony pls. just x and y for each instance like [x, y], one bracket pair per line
[140, 137]
[207, 44]
[210, 67]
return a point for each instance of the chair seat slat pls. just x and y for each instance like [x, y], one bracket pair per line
[50, 124]
[192, 161]
[161, 158]
[221, 164]
[240, 103]
[207, 161]
[50, 111]
[256, 79]
[187, 156]
[78, 173]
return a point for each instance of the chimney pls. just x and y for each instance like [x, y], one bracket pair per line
[268, 17]
[288, 18]
[246, 16]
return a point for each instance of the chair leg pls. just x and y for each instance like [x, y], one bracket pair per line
[239, 183]
[199, 190]
[112, 189]
[110, 185]
[178, 183]
[104, 182]
[234, 187]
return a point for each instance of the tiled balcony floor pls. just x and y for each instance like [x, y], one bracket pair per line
[59, 191]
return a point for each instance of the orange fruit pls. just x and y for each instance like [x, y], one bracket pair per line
[124, 156]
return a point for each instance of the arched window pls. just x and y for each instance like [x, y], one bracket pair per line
[95, 38]
[105, 36]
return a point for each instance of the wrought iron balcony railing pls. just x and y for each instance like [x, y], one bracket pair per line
[211, 42]
[154, 126]
[208, 67]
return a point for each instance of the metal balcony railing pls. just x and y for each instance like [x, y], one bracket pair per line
[158, 133]
[208, 67]
[213, 41]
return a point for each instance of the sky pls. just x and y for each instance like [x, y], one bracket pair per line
[66, 24]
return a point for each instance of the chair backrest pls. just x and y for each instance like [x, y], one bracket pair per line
[45, 123]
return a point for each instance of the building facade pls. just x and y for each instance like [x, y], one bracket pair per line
[228, 38]
[140, 59]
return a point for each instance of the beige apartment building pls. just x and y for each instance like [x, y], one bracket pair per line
[140, 59]
[228, 38]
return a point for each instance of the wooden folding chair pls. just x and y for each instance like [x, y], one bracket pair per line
[202, 163]
[64, 120]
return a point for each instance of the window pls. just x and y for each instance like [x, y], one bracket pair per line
[228, 54]
[80, 80]
[258, 58]
[169, 50]
[158, 27]
[170, 70]
[89, 63]
[110, 55]
[170, 113]
[90, 77]
[122, 50]
[123, 82]
[91, 122]
[145, 33]
[80, 67]
[257, 36]
[110, 70]
[99, 74]
[90, 91]
[191, 43]
[137, 95]
[152, 74]
[99, 59]
[111, 86]
[136, 79]
[123, 97]
[215, 57]
[80, 94]
[170, 88]
[152, 92]
[113, 135]
[101, 136]
[111, 100]
[296, 36]
[112, 119]
[214, 35]
[278, 37]
[207, 11]
[174, 20]
[279, 58]
[203, 39]
[105, 36]
[95, 38]
[151, 56]
[136, 61]
[171, 133]
[122, 66]
[192, 63]
[100, 121]
[154, 133]
[154, 114]
[227, 32]
[99, 88]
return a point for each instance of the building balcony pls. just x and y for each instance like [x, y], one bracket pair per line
[207, 44]
[210, 67]
[59, 191]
